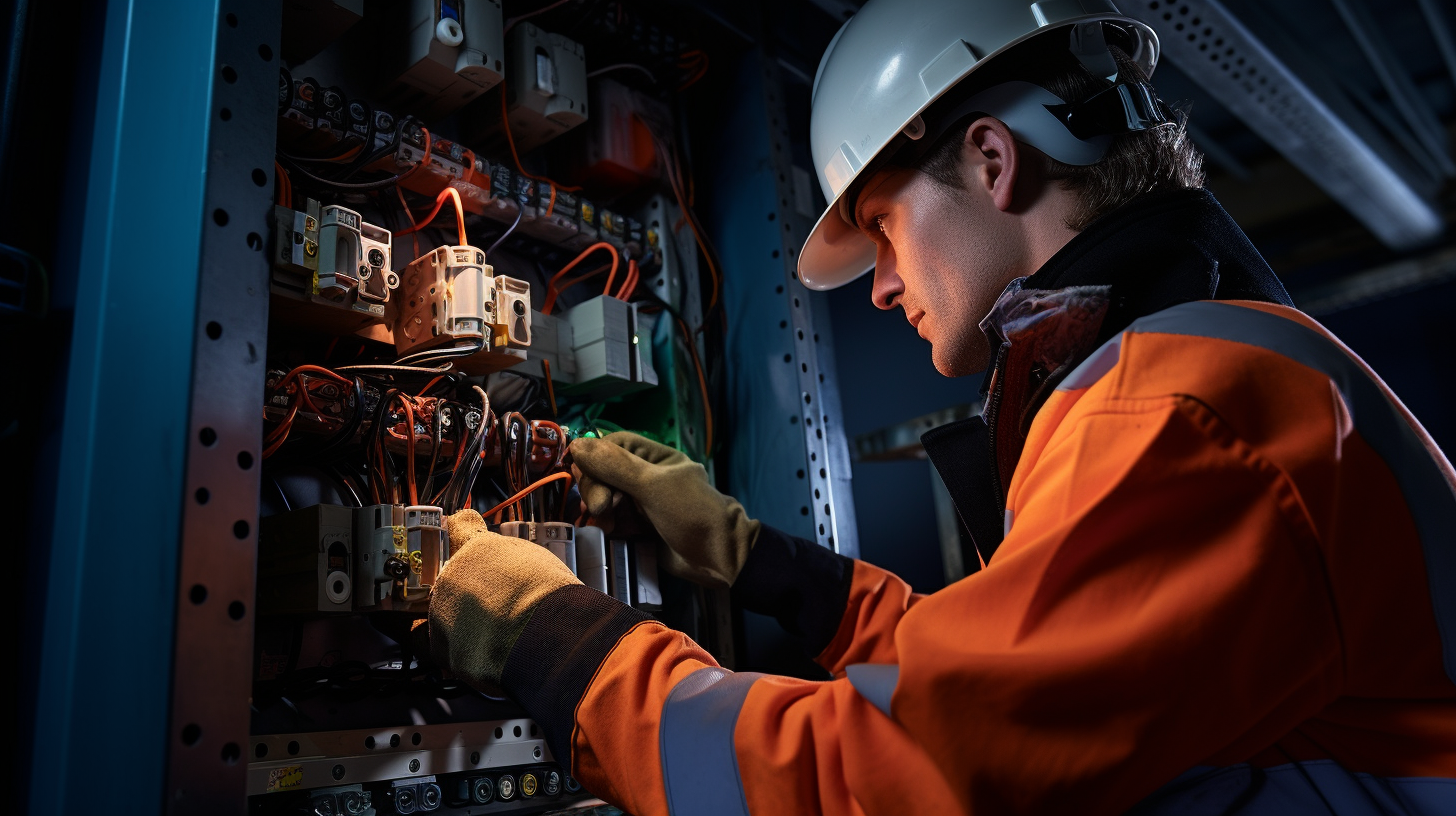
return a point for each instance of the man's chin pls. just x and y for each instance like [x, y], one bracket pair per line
[959, 360]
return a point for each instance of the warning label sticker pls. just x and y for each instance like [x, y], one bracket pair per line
[289, 776]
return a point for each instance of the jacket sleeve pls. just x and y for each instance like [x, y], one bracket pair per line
[843, 610]
[1158, 603]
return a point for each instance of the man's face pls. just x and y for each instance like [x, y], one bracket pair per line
[943, 256]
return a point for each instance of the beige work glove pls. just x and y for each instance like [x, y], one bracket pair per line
[708, 535]
[484, 596]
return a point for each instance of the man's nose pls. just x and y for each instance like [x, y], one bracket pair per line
[888, 286]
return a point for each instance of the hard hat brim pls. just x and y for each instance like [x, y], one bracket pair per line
[835, 253]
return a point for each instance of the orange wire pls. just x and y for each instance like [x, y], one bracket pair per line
[511, 142]
[399, 191]
[552, 292]
[629, 284]
[448, 192]
[494, 512]
[551, 205]
[424, 161]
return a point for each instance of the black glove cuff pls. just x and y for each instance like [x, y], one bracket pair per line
[803, 585]
[569, 635]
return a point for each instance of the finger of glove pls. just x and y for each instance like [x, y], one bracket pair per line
[645, 449]
[595, 495]
[611, 464]
[464, 524]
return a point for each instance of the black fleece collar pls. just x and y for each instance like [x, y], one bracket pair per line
[1160, 250]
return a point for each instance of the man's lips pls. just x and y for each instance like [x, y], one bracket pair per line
[915, 317]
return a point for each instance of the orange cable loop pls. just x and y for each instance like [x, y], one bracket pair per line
[552, 292]
[448, 192]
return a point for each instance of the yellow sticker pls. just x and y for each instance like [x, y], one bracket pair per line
[289, 776]
[401, 540]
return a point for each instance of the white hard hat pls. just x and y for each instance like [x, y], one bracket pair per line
[891, 61]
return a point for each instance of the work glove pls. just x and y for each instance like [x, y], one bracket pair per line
[708, 535]
[484, 596]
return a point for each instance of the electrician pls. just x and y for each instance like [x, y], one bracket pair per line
[1220, 556]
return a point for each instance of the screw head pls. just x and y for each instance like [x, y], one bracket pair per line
[338, 772]
[414, 766]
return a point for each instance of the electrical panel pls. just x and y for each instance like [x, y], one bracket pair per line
[468, 271]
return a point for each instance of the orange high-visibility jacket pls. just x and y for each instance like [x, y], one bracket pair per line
[1227, 584]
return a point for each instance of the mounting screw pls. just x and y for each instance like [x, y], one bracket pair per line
[414, 765]
[338, 772]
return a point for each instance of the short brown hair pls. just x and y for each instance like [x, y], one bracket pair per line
[1136, 163]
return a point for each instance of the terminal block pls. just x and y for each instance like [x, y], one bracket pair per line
[556, 536]
[305, 560]
[400, 553]
[421, 795]
[330, 257]
[444, 300]
[354, 260]
[548, 94]
[442, 53]
[346, 800]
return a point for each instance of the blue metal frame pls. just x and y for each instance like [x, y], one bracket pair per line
[102, 710]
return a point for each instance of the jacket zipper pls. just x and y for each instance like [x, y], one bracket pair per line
[993, 406]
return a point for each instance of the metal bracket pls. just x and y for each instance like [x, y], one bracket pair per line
[212, 660]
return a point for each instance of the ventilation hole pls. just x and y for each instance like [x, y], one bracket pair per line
[533, 730]
[191, 733]
[245, 460]
[240, 529]
[807, 399]
[415, 738]
[1239, 61]
[207, 436]
[1183, 10]
[822, 473]
[1218, 43]
[499, 733]
[220, 217]
[821, 529]
[474, 757]
[816, 492]
[516, 730]
[779, 290]
[816, 337]
[1178, 27]
[803, 511]
[198, 594]
[231, 753]
[236, 610]
[804, 367]
[796, 303]
[788, 358]
[369, 743]
[1237, 75]
[1154, 5]
[826, 508]
[794, 420]
[813, 457]
[229, 75]
[1167, 15]
[800, 474]
[1195, 21]
[232, 20]
[774, 254]
[783, 324]
[214, 329]
[255, 242]
[1208, 32]
[772, 216]
[260, 750]
[259, 177]
[1203, 46]
[202, 495]
[801, 334]
[821, 378]
[1192, 37]
[266, 53]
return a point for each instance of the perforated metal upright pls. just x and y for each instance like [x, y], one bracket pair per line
[788, 461]
[154, 545]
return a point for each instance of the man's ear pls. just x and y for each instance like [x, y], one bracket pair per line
[991, 160]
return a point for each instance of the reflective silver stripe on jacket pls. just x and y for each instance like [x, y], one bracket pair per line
[699, 765]
[1428, 495]
[1315, 788]
[874, 682]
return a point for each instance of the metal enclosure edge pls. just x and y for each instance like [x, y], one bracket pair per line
[116, 530]
[212, 660]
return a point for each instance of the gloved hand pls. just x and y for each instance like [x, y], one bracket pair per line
[484, 596]
[708, 534]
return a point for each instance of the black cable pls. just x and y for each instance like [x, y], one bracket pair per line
[372, 185]
[520, 211]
